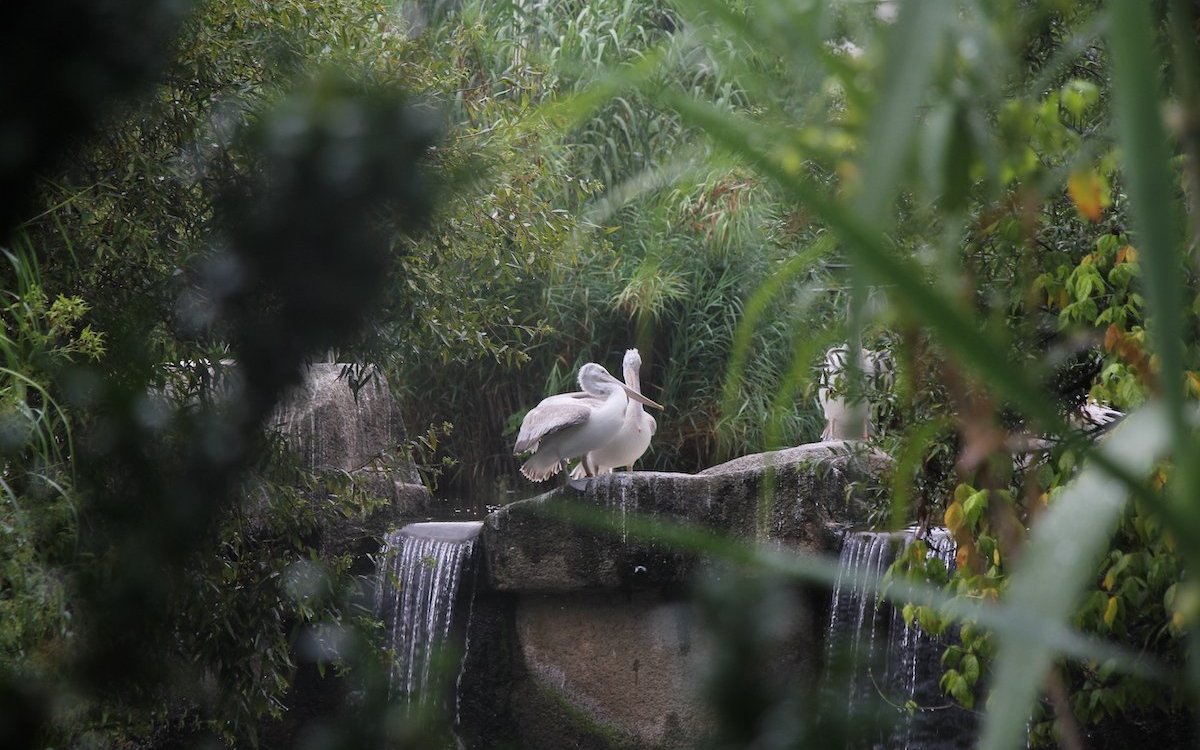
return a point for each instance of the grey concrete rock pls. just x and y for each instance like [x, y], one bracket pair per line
[330, 427]
[793, 496]
[844, 455]
[598, 626]
[361, 437]
[529, 548]
[836, 476]
[640, 695]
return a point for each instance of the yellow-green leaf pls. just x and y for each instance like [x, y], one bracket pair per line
[1089, 192]
[1110, 611]
[955, 516]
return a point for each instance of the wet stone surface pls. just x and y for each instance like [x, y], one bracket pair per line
[593, 638]
[585, 535]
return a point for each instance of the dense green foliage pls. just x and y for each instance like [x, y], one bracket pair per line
[992, 130]
[1001, 219]
[623, 229]
[993, 191]
[152, 591]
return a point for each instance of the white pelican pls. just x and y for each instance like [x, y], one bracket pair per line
[844, 411]
[571, 424]
[634, 436]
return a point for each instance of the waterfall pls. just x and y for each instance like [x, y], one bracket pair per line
[418, 585]
[892, 670]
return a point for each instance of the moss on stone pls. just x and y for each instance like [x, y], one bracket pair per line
[575, 723]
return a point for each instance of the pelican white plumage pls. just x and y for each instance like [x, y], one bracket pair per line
[847, 416]
[632, 440]
[569, 425]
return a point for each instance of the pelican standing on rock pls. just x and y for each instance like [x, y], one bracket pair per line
[568, 425]
[848, 415]
[636, 430]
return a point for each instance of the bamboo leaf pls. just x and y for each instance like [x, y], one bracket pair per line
[804, 351]
[913, 46]
[1136, 64]
[570, 110]
[1063, 552]
[756, 307]
[912, 451]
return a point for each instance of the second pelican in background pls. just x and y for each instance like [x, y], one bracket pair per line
[632, 440]
[847, 409]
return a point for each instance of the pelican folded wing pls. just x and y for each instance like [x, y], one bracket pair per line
[551, 415]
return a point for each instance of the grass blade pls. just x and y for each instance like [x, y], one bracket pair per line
[913, 46]
[1063, 551]
[770, 556]
[1136, 64]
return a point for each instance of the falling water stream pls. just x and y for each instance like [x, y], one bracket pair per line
[890, 663]
[421, 568]
[894, 669]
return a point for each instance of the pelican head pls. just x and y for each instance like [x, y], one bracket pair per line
[632, 359]
[597, 381]
[631, 368]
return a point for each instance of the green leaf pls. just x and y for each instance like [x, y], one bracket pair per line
[970, 668]
[1078, 96]
[951, 657]
[961, 691]
[935, 570]
[974, 507]
[948, 153]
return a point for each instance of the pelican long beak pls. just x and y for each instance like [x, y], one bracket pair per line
[639, 397]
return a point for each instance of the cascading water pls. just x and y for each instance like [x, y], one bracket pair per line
[421, 567]
[887, 662]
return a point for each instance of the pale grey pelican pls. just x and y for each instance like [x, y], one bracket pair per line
[636, 430]
[847, 415]
[568, 425]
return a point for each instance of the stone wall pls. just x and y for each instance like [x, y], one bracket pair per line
[359, 436]
[602, 646]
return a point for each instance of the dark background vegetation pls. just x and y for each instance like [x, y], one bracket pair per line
[729, 186]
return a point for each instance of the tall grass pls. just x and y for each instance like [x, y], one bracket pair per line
[38, 503]
[668, 245]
